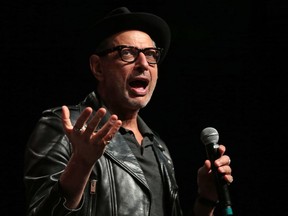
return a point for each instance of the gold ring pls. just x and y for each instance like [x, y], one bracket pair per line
[78, 129]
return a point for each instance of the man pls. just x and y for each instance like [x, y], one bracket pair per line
[99, 157]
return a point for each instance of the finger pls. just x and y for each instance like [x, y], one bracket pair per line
[206, 168]
[228, 178]
[225, 170]
[66, 122]
[112, 132]
[222, 161]
[91, 126]
[82, 119]
[108, 125]
[221, 149]
[107, 132]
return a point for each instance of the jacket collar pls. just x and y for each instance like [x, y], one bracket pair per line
[118, 149]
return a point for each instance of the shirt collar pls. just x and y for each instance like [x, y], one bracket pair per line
[143, 128]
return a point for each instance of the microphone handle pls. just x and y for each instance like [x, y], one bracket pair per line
[221, 184]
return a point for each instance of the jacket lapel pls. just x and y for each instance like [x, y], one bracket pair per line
[119, 151]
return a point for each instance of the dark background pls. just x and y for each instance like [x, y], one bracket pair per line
[226, 68]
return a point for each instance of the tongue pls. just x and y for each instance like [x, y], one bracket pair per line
[138, 87]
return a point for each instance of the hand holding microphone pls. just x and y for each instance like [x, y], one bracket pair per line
[210, 137]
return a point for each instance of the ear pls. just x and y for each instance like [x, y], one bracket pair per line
[95, 66]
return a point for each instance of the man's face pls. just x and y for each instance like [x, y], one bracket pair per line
[126, 85]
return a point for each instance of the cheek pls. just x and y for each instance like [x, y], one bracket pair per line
[152, 85]
[154, 77]
[115, 79]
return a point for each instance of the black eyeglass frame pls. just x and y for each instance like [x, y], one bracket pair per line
[120, 47]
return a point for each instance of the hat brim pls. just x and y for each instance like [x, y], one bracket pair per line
[151, 24]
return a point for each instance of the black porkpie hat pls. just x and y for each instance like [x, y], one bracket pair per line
[122, 18]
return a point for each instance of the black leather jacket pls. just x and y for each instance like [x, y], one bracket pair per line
[121, 186]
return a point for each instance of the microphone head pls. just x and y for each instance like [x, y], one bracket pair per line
[209, 135]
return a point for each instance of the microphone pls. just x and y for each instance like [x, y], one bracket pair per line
[210, 137]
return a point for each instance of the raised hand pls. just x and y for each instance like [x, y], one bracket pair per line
[88, 144]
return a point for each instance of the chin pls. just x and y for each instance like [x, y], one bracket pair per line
[139, 104]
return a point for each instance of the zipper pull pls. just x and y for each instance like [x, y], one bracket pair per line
[93, 186]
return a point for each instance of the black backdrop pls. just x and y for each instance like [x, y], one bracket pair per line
[226, 68]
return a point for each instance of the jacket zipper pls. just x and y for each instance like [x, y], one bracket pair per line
[92, 194]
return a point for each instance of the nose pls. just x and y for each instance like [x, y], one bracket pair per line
[142, 60]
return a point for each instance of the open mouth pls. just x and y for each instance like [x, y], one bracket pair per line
[139, 84]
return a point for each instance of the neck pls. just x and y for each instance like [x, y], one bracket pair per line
[133, 126]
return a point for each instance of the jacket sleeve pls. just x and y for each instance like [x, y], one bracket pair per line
[46, 156]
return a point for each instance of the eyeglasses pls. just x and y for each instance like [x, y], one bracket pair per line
[131, 53]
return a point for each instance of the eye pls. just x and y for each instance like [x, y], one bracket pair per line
[128, 52]
[152, 53]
